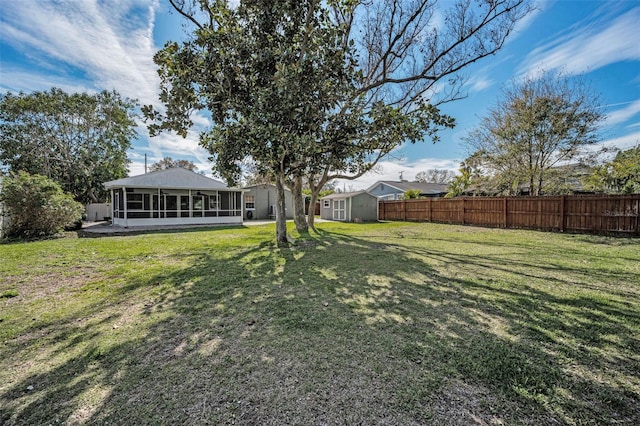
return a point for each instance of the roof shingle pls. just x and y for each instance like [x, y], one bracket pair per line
[175, 178]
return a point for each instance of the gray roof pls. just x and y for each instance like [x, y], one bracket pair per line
[344, 195]
[175, 178]
[263, 186]
[423, 187]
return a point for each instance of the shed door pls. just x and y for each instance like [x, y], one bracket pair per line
[338, 209]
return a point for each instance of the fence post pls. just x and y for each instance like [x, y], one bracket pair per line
[429, 204]
[404, 210]
[539, 214]
[562, 221]
[463, 200]
[425, 204]
[504, 211]
[638, 214]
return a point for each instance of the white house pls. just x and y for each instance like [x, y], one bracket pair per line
[174, 196]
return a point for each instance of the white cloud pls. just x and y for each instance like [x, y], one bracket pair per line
[136, 167]
[110, 42]
[14, 79]
[480, 83]
[170, 144]
[522, 25]
[588, 46]
[624, 114]
[390, 170]
[622, 142]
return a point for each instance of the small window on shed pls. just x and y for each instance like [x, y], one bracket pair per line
[326, 204]
[250, 201]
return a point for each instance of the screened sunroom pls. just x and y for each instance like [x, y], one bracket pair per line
[173, 197]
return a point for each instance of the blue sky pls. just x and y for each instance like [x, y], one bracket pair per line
[91, 45]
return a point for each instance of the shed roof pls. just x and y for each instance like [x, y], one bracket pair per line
[344, 195]
[174, 178]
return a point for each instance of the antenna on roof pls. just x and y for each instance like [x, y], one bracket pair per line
[401, 175]
[145, 163]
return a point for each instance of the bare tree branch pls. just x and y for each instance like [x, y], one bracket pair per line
[181, 10]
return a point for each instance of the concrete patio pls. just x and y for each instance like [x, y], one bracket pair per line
[105, 228]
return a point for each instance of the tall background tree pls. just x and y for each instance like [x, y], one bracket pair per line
[435, 176]
[407, 65]
[169, 163]
[621, 175]
[321, 90]
[79, 140]
[538, 123]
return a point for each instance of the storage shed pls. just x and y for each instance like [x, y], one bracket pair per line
[358, 206]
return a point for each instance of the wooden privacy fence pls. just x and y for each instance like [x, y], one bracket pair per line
[600, 214]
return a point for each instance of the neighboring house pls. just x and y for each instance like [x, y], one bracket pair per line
[174, 196]
[358, 206]
[567, 179]
[558, 180]
[390, 190]
[260, 202]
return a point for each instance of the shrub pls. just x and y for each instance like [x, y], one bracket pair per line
[411, 194]
[36, 206]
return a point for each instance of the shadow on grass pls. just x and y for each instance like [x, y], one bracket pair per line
[335, 329]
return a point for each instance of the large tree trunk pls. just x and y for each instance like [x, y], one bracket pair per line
[298, 206]
[312, 209]
[532, 188]
[281, 217]
[316, 187]
[540, 181]
[91, 195]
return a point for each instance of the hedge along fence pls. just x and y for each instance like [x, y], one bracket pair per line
[598, 214]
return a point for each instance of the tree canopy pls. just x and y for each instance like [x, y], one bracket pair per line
[79, 140]
[169, 163]
[537, 124]
[320, 90]
[435, 176]
[621, 175]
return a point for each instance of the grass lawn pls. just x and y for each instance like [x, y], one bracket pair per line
[390, 323]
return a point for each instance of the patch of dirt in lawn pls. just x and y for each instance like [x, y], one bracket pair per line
[462, 403]
[51, 285]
